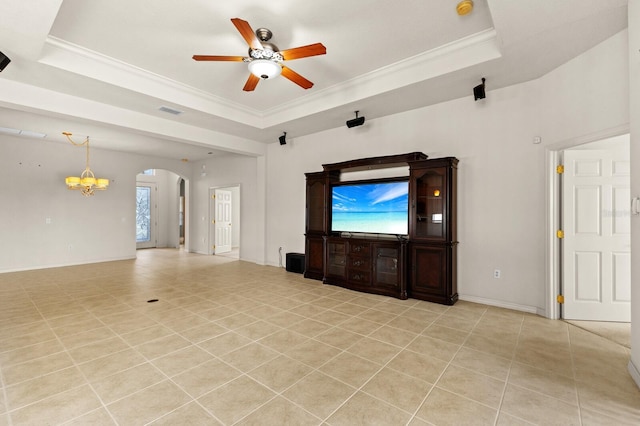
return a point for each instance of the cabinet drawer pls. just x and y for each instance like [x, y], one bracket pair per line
[357, 262]
[359, 277]
[359, 248]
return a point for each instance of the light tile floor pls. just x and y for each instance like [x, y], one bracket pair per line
[230, 342]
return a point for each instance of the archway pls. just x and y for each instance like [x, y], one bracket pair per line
[162, 202]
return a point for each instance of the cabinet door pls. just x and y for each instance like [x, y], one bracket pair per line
[316, 206]
[432, 273]
[430, 203]
[387, 268]
[314, 258]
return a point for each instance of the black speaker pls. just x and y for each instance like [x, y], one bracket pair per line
[478, 91]
[295, 262]
[358, 121]
[4, 61]
[355, 122]
[283, 139]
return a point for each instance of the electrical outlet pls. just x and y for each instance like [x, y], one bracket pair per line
[496, 273]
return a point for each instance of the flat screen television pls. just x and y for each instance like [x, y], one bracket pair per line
[376, 207]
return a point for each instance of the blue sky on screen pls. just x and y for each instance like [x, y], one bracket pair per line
[372, 197]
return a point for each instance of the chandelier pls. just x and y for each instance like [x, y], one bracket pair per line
[86, 182]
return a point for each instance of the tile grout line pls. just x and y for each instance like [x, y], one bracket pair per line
[506, 381]
[317, 369]
[74, 363]
[360, 389]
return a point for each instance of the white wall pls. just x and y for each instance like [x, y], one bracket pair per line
[225, 172]
[235, 216]
[81, 229]
[501, 190]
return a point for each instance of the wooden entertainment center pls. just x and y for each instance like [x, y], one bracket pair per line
[420, 265]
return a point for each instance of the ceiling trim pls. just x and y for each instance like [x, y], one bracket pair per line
[30, 98]
[466, 52]
[70, 57]
[472, 50]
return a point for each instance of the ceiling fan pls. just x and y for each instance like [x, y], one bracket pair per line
[265, 60]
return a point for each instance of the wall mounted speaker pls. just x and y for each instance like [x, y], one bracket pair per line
[358, 121]
[283, 139]
[4, 61]
[478, 91]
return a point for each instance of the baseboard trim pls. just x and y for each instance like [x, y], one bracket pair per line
[62, 265]
[500, 304]
[633, 371]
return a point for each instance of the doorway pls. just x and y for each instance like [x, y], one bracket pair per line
[224, 223]
[162, 204]
[590, 254]
[146, 215]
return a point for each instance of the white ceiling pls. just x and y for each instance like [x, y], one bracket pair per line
[104, 67]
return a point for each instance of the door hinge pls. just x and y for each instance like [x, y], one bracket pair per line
[560, 169]
[213, 197]
[213, 221]
[560, 233]
[560, 299]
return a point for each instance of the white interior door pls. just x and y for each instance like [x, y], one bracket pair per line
[146, 215]
[222, 222]
[597, 243]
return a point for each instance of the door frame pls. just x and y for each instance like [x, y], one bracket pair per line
[553, 265]
[211, 227]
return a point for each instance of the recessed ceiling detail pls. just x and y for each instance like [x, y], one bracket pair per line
[64, 68]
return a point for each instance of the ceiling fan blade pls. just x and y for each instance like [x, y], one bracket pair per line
[218, 58]
[251, 83]
[296, 78]
[304, 51]
[247, 33]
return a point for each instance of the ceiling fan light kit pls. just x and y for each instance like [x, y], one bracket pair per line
[265, 68]
[265, 59]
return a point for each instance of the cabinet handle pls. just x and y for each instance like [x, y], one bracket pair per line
[357, 248]
[357, 262]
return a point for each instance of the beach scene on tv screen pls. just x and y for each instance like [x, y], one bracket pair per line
[370, 208]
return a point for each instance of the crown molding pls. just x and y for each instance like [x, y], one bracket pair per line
[79, 60]
[472, 50]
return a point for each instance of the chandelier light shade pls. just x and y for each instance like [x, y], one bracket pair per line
[265, 68]
[87, 183]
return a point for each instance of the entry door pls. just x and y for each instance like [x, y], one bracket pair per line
[146, 215]
[222, 221]
[597, 242]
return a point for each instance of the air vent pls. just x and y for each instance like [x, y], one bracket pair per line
[27, 133]
[170, 110]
